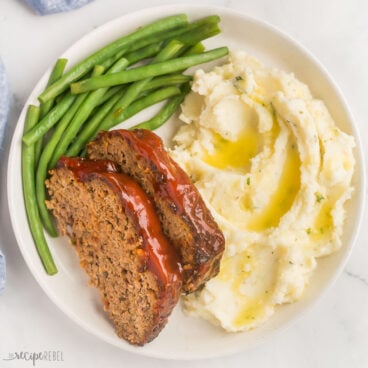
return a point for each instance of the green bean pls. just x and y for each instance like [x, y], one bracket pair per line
[54, 115]
[167, 80]
[210, 19]
[98, 70]
[133, 57]
[195, 49]
[165, 113]
[83, 112]
[132, 92]
[59, 131]
[167, 36]
[90, 128]
[112, 60]
[113, 48]
[140, 104]
[48, 152]
[198, 34]
[175, 33]
[143, 53]
[56, 72]
[109, 94]
[53, 156]
[147, 71]
[174, 79]
[29, 193]
[173, 104]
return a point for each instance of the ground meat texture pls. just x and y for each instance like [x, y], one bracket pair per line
[117, 236]
[184, 216]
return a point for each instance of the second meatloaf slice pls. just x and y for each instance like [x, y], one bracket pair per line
[119, 241]
[184, 216]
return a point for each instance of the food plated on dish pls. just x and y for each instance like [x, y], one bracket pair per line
[264, 156]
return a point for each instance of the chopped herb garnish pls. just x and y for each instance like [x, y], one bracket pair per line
[238, 78]
[273, 110]
[248, 180]
[319, 197]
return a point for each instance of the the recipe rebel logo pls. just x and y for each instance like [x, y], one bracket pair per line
[34, 357]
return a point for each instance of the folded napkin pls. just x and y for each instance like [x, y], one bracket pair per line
[44, 7]
[4, 109]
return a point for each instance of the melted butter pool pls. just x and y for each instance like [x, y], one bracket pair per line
[235, 154]
[282, 199]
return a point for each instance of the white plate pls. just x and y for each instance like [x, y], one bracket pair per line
[186, 337]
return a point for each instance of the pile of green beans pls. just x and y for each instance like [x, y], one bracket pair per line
[101, 91]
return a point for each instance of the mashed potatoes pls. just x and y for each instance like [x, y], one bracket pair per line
[275, 171]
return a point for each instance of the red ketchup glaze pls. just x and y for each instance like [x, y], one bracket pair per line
[82, 166]
[160, 257]
[175, 185]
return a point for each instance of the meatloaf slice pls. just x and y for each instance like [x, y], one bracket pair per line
[120, 244]
[184, 216]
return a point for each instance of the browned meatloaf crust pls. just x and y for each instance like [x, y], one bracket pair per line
[184, 216]
[118, 237]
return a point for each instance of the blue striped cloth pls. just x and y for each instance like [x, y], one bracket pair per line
[42, 7]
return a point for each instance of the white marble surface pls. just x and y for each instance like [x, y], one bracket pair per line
[333, 334]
